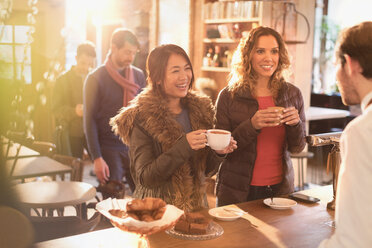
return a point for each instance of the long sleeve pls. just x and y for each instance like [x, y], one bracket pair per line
[149, 169]
[213, 163]
[91, 102]
[296, 134]
[244, 133]
[62, 109]
[353, 202]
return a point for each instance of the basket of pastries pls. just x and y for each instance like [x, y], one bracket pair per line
[142, 216]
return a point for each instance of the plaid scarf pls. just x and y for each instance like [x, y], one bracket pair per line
[130, 88]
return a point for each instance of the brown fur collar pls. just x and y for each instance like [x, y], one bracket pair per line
[150, 111]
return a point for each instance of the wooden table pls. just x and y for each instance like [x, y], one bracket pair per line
[305, 225]
[23, 152]
[36, 167]
[55, 195]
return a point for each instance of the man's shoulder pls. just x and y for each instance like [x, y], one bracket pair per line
[97, 74]
[98, 71]
[139, 76]
[136, 69]
[66, 74]
[360, 127]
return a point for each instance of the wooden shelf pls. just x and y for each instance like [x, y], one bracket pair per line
[235, 20]
[215, 69]
[220, 40]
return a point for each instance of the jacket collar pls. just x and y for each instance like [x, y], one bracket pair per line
[245, 93]
[150, 111]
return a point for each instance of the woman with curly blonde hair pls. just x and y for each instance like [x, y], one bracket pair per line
[261, 166]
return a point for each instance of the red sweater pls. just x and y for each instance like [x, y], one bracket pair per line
[268, 168]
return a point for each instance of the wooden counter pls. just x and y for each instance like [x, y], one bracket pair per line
[304, 225]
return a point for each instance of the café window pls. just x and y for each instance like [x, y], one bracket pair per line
[331, 16]
[15, 53]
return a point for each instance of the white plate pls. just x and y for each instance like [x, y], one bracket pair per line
[222, 214]
[280, 203]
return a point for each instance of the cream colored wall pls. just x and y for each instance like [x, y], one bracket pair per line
[304, 52]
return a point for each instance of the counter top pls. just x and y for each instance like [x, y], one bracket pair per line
[317, 113]
[304, 225]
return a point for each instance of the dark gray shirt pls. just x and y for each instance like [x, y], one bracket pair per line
[183, 119]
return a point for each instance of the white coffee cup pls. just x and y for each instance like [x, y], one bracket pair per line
[218, 139]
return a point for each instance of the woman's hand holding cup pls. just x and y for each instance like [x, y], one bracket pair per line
[197, 139]
[269, 117]
[221, 141]
[290, 116]
[230, 148]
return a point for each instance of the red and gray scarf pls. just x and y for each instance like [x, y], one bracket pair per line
[130, 88]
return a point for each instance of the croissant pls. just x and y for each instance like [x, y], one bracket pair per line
[134, 216]
[157, 214]
[149, 204]
[146, 216]
[118, 213]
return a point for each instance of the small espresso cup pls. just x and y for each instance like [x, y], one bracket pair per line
[218, 139]
[279, 109]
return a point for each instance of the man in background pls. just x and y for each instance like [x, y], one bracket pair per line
[353, 200]
[68, 102]
[109, 88]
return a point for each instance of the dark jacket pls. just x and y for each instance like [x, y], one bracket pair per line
[162, 162]
[234, 114]
[103, 99]
[67, 93]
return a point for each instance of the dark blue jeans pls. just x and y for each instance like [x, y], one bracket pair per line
[118, 163]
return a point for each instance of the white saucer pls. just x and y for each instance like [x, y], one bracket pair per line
[280, 203]
[225, 215]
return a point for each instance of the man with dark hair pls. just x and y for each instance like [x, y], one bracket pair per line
[109, 88]
[68, 102]
[353, 202]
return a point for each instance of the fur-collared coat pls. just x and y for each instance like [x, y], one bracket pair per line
[162, 162]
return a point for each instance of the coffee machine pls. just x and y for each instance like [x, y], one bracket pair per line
[334, 158]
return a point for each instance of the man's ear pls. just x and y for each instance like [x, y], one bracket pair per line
[352, 65]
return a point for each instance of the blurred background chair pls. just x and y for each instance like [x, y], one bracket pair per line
[47, 198]
[76, 165]
[47, 228]
[19, 145]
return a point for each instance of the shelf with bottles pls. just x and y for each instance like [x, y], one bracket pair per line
[233, 20]
[229, 33]
[231, 11]
[217, 58]
[221, 40]
[224, 24]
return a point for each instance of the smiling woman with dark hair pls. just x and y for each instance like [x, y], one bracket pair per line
[165, 129]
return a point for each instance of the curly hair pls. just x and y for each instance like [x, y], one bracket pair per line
[242, 75]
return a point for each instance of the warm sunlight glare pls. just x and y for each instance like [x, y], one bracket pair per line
[270, 232]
